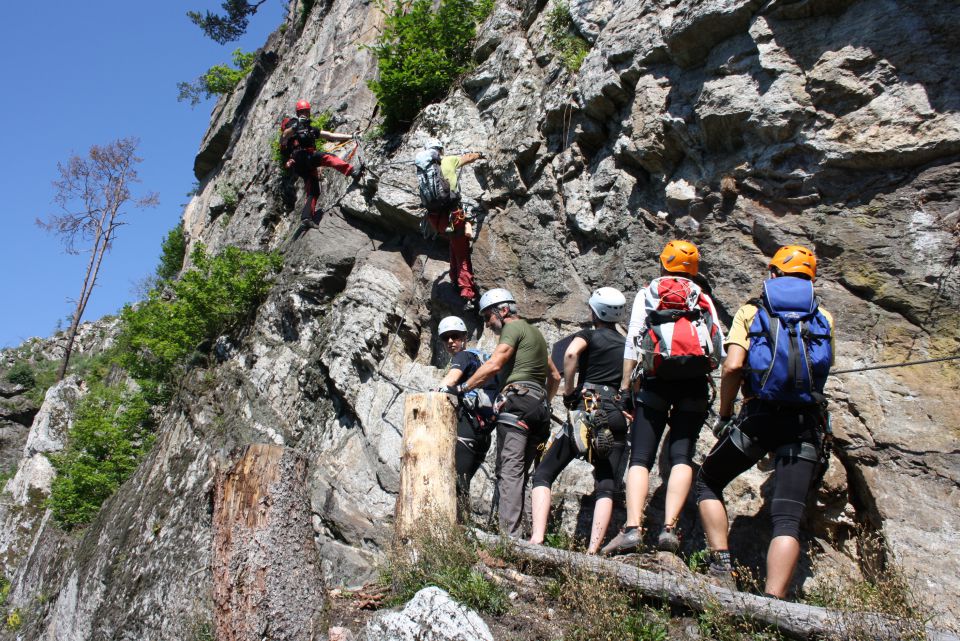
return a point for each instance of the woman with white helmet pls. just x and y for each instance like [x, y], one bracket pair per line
[597, 355]
[475, 422]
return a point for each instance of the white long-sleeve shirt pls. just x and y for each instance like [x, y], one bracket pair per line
[648, 299]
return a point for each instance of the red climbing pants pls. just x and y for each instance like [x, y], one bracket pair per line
[461, 268]
[306, 164]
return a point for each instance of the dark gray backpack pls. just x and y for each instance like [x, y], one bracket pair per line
[435, 192]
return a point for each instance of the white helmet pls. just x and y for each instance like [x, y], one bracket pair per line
[451, 324]
[433, 143]
[496, 296]
[608, 304]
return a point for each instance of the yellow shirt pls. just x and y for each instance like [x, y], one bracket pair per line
[448, 167]
[740, 327]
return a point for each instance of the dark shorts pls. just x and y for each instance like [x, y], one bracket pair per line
[767, 428]
[683, 406]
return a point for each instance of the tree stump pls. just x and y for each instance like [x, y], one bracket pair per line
[266, 573]
[428, 492]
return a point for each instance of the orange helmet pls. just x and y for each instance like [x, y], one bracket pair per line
[795, 259]
[681, 256]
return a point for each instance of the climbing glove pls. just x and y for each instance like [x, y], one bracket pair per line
[721, 426]
[455, 390]
[572, 401]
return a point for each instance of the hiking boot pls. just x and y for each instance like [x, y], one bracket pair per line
[357, 172]
[722, 575]
[668, 541]
[307, 223]
[625, 541]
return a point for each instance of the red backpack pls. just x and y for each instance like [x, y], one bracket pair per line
[680, 339]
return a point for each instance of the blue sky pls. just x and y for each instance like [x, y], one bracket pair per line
[83, 73]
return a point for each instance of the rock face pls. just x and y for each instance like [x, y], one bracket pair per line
[741, 125]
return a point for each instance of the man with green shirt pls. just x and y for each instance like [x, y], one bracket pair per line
[523, 406]
[449, 220]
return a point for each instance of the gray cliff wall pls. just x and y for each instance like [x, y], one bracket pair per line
[838, 124]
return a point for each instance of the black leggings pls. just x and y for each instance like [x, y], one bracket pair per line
[770, 430]
[472, 447]
[682, 405]
[605, 469]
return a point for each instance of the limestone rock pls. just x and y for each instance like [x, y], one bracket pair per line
[431, 615]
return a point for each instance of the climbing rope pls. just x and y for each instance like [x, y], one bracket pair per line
[867, 368]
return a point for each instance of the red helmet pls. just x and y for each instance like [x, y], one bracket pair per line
[303, 105]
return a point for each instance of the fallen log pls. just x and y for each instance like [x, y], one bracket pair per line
[797, 620]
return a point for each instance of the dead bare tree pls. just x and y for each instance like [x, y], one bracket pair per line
[92, 192]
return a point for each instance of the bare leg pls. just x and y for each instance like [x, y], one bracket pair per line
[713, 515]
[541, 510]
[782, 557]
[638, 483]
[602, 511]
[678, 487]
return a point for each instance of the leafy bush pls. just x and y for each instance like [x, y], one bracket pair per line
[213, 298]
[445, 562]
[563, 36]
[228, 26]
[45, 374]
[421, 52]
[230, 195]
[22, 374]
[306, 7]
[14, 620]
[172, 252]
[219, 79]
[112, 430]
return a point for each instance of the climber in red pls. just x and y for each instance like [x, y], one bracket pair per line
[298, 147]
[437, 181]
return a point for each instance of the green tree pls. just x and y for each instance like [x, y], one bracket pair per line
[172, 252]
[421, 52]
[218, 79]
[228, 26]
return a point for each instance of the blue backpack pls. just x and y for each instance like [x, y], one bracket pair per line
[790, 348]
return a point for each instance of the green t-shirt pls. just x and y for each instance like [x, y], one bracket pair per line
[530, 356]
[448, 167]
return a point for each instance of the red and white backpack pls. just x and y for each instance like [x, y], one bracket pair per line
[681, 338]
